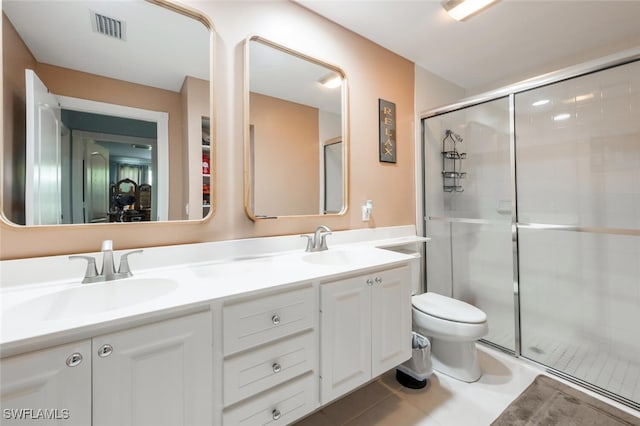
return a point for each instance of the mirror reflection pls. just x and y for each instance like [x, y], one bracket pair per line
[103, 112]
[295, 143]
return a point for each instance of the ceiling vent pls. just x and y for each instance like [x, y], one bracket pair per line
[111, 27]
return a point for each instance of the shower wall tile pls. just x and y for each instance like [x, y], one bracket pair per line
[579, 291]
[483, 275]
[478, 263]
[582, 289]
[584, 170]
[438, 258]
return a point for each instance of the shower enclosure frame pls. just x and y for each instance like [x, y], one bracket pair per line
[510, 91]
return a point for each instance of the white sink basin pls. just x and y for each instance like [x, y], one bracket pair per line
[90, 299]
[331, 257]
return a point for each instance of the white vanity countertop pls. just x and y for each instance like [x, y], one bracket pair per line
[33, 315]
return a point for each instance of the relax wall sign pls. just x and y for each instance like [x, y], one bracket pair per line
[387, 125]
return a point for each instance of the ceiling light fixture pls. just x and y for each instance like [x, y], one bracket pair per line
[540, 102]
[585, 97]
[562, 117]
[331, 81]
[462, 9]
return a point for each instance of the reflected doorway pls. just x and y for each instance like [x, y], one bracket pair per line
[98, 161]
[68, 182]
[333, 171]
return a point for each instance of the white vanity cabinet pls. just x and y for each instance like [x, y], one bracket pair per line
[156, 374]
[365, 324]
[47, 387]
[270, 357]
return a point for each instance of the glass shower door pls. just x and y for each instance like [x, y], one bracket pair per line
[468, 205]
[578, 178]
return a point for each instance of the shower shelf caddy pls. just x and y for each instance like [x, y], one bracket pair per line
[452, 162]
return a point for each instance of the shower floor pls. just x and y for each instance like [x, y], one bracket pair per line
[587, 362]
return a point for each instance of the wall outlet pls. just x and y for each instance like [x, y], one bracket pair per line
[366, 210]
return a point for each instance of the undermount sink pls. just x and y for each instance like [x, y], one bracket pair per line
[329, 257]
[91, 299]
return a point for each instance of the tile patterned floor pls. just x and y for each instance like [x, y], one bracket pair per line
[444, 402]
[615, 371]
[591, 363]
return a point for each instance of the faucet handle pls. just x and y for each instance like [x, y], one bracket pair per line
[91, 273]
[309, 242]
[323, 240]
[123, 269]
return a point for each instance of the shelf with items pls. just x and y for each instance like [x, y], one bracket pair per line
[206, 195]
[206, 166]
[452, 162]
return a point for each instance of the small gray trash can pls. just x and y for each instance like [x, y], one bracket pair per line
[415, 372]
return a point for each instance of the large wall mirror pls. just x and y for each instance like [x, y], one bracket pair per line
[295, 140]
[106, 112]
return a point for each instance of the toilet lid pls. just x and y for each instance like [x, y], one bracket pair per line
[447, 308]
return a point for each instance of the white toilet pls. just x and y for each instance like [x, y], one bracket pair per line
[453, 327]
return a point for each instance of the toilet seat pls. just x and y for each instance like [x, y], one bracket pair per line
[452, 327]
[448, 309]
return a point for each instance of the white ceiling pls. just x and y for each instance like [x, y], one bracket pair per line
[160, 49]
[279, 74]
[510, 41]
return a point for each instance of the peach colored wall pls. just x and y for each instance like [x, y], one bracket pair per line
[372, 72]
[287, 172]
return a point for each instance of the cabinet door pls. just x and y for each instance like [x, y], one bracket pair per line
[47, 387]
[158, 374]
[391, 319]
[345, 342]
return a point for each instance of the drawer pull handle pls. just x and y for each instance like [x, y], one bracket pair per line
[105, 350]
[369, 282]
[275, 319]
[74, 359]
[276, 367]
[378, 280]
[276, 414]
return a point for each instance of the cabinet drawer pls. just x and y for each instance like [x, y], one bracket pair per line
[278, 406]
[266, 318]
[252, 372]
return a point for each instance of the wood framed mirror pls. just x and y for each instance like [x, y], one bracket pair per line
[295, 144]
[112, 70]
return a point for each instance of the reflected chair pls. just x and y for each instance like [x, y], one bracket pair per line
[125, 202]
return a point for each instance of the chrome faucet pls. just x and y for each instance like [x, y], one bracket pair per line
[108, 272]
[108, 267]
[318, 241]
